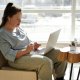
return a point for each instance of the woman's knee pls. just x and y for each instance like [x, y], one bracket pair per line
[48, 62]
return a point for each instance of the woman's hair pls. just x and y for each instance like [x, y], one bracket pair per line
[9, 11]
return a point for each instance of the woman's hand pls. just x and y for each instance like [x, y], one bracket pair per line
[30, 48]
[36, 45]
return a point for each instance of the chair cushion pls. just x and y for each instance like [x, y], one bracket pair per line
[8, 68]
[3, 61]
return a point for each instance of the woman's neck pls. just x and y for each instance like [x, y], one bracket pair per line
[8, 27]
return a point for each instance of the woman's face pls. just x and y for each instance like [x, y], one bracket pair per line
[15, 20]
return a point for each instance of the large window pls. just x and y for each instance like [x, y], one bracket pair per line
[41, 17]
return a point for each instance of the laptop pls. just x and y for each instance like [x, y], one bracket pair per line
[53, 37]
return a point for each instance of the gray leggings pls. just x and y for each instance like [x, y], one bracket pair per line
[44, 65]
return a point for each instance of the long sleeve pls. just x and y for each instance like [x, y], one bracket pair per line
[12, 42]
[6, 50]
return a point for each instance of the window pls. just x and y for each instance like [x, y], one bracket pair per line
[41, 17]
[77, 20]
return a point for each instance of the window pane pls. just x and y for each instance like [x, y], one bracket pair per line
[3, 3]
[40, 25]
[1, 14]
[77, 27]
[78, 4]
[60, 4]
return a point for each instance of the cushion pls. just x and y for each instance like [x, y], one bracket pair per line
[3, 61]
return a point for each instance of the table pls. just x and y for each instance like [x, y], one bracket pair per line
[72, 55]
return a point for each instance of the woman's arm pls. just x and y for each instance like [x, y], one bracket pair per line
[11, 54]
[29, 48]
[25, 51]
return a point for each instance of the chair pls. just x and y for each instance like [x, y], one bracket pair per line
[8, 73]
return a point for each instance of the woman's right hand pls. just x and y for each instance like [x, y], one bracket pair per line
[30, 48]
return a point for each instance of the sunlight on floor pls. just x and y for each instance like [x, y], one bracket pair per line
[74, 72]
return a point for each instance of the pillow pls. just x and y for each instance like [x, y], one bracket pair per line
[3, 61]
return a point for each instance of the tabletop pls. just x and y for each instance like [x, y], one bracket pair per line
[70, 54]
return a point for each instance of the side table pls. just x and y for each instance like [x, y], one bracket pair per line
[72, 56]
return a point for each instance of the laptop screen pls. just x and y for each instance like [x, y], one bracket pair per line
[52, 40]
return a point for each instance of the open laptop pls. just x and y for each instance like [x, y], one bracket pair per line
[50, 43]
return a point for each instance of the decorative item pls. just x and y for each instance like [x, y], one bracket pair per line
[73, 45]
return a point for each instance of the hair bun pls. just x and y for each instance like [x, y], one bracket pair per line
[9, 5]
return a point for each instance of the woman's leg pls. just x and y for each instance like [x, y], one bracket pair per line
[58, 66]
[39, 63]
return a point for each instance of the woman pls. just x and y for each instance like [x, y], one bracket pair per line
[16, 47]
